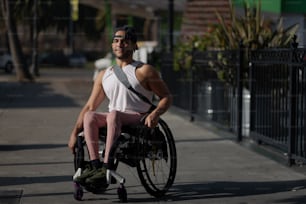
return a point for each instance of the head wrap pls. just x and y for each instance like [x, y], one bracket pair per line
[130, 33]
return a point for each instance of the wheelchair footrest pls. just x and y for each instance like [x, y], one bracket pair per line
[77, 173]
[118, 177]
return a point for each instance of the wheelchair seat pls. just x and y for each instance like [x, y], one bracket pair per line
[129, 129]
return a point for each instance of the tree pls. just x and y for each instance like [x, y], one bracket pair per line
[19, 60]
[49, 14]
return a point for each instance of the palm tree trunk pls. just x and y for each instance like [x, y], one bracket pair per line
[19, 61]
[34, 36]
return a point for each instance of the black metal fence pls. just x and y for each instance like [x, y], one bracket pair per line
[199, 91]
[276, 86]
[278, 102]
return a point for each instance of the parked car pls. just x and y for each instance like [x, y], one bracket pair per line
[6, 62]
[61, 59]
[77, 60]
[52, 59]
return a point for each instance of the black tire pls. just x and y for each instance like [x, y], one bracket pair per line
[79, 160]
[78, 192]
[157, 173]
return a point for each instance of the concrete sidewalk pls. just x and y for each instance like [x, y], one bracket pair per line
[37, 167]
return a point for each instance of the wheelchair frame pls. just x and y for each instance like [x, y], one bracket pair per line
[149, 150]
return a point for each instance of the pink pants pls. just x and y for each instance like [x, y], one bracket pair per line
[114, 121]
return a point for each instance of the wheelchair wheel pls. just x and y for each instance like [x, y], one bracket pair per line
[157, 167]
[79, 160]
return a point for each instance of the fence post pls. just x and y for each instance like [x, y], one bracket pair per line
[191, 88]
[251, 88]
[292, 104]
[239, 93]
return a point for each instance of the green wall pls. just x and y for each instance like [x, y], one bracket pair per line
[277, 6]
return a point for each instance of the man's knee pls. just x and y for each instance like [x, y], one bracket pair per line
[89, 117]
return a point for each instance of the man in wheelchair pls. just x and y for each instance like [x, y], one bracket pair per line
[125, 107]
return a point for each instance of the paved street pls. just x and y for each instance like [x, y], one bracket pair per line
[36, 166]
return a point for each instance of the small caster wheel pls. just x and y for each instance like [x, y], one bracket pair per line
[122, 194]
[78, 192]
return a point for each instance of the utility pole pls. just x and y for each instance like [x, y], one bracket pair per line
[170, 23]
[35, 69]
[109, 25]
[74, 16]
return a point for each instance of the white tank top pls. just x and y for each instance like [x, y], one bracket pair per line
[121, 98]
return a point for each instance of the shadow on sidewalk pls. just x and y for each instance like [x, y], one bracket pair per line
[30, 147]
[31, 95]
[214, 190]
[15, 181]
[195, 191]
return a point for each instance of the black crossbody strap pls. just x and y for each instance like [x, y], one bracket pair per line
[124, 80]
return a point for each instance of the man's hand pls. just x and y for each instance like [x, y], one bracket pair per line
[72, 142]
[152, 120]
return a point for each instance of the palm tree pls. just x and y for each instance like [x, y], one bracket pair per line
[47, 15]
[18, 57]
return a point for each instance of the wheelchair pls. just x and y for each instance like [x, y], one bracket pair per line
[151, 151]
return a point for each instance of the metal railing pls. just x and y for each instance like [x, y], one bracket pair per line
[199, 91]
[272, 113]
[278, 102]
